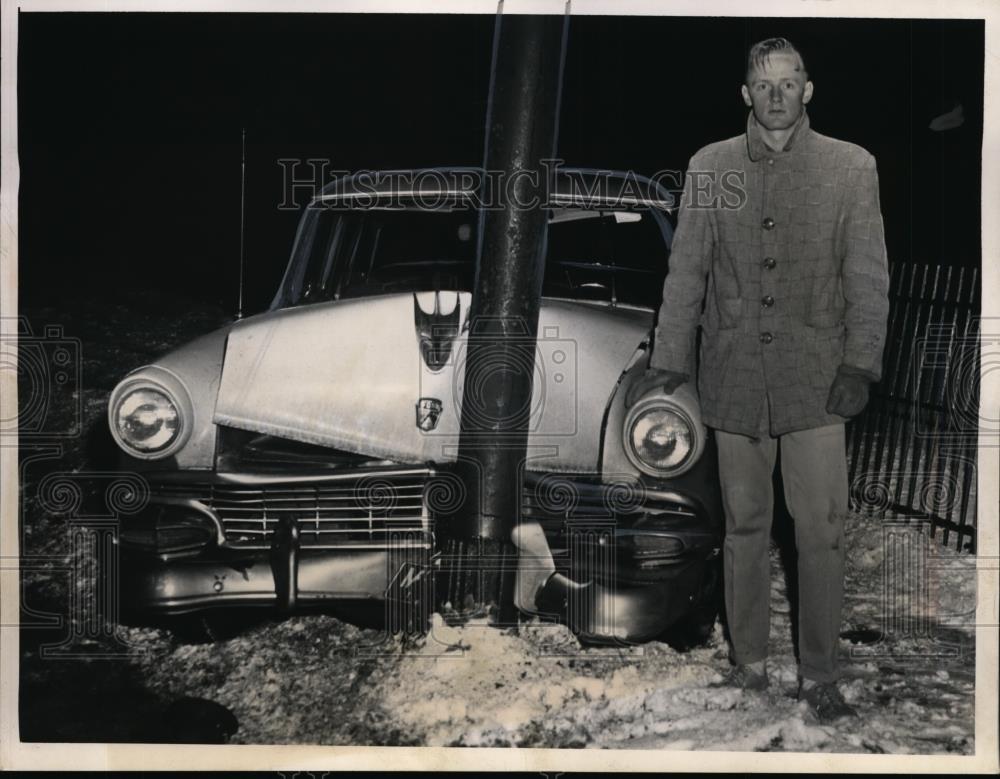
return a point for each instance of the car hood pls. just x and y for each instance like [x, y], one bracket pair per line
[352, 374]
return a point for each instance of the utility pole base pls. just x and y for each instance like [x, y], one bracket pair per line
[477, 580]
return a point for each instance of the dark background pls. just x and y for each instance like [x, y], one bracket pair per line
[129, 217]
[129, 125]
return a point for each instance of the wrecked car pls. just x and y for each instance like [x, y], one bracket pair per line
[301, 457]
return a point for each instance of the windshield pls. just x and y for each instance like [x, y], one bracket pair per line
[613, 256]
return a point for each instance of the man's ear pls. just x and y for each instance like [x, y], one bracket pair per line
[746, 94]
[807, 92]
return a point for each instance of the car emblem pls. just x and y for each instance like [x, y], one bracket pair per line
[436, 331]
[428, 413]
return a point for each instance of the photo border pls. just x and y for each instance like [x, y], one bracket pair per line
[14, 754]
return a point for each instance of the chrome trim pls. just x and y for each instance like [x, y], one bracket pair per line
[328, 512]
[630, 201]
[335, 189]
[200, 508]
[556, 198]
[396, 193]
[251, 479]
[238, 506]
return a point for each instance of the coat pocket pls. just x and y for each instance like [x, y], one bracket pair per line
[722, 314]
[823, 319]
[817, 353]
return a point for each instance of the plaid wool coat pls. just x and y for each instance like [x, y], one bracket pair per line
[780, 257]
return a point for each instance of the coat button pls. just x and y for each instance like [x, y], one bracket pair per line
[768, 223]
[767, 301]
[769, 262]
[770, 160]
[766, 338]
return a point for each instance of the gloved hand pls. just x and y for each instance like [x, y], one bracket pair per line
[651, 379]
[849, 393]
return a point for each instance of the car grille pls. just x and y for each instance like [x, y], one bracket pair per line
[396, 507]
[365, 511]
[560, 499]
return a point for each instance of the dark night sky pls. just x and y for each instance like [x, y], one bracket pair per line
[129, 124]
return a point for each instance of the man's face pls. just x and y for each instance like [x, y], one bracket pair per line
[776, 90]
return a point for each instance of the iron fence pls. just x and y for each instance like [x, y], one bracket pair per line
[912, 454]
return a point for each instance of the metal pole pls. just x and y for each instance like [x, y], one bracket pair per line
[521, 131]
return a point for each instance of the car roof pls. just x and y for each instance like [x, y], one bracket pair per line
[581, 187]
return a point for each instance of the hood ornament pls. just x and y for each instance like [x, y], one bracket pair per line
[436, 331]
[428, 413]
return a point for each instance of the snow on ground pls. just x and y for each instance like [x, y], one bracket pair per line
[317, 679]
[538, 687]
[301, 681]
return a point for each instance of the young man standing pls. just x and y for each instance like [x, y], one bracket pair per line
[779, 255]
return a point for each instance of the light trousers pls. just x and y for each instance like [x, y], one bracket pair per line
[814, 471]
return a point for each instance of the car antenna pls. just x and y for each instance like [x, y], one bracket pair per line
[243, 190]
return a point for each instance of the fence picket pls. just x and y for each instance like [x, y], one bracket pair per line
[917, 439]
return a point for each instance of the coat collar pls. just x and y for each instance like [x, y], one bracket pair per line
[756, 148]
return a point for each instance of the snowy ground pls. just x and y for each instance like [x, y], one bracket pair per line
[304, 680]
[299, 682]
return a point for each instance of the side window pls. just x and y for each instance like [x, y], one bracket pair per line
[341, 251]
[352, 257]
[321, 252]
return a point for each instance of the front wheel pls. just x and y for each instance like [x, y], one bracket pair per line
[209, 626]
[697, 625]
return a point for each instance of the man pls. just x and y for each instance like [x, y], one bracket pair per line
[788, 280]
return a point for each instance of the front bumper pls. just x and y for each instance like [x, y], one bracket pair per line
[367, 537]
[221, 579]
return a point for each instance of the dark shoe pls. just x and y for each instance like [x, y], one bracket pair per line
[825, 699]
[744, 677]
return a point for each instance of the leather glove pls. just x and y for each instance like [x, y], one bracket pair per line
[849, 393]
[651, 379]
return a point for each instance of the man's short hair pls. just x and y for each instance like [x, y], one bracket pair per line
[761, 51]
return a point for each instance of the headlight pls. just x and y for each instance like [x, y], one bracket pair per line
[147, 420]
[660, 438]
[150, 414]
